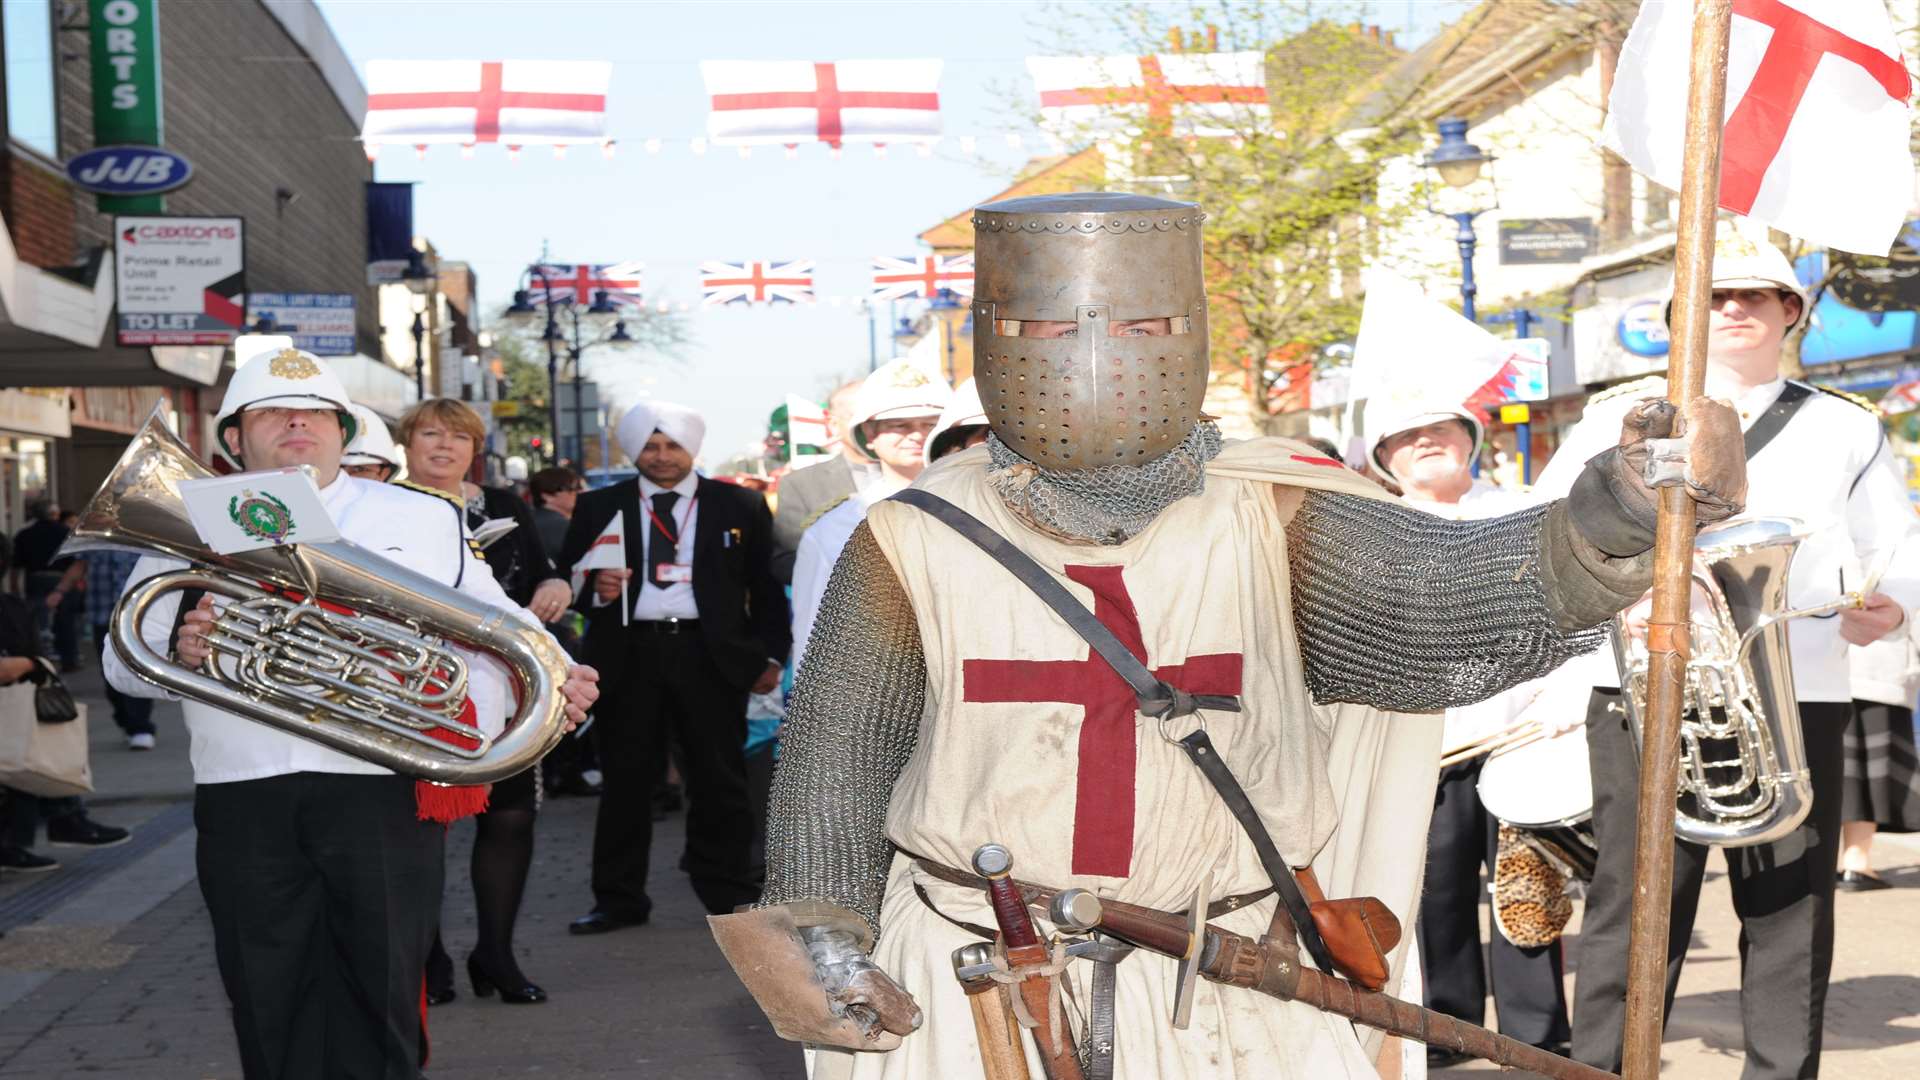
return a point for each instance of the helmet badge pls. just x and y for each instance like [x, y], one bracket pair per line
[292, 364]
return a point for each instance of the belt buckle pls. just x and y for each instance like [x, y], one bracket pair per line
[670, 626]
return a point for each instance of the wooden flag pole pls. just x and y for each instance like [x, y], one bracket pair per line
[1667, 644]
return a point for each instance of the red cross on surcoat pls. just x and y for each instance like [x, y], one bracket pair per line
[827, 99]
[487, 102]
[1104, 800]
[757, 277]
[1156, 92]
[1758, 126]
[929, 276]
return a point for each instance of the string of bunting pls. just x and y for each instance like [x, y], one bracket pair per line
[791, 103]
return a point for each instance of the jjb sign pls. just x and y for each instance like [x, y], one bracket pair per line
[125, 53]
[128, 170]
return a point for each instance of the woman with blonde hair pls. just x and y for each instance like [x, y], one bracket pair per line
[440, 438]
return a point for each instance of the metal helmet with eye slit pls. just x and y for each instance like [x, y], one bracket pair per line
[1069, 393]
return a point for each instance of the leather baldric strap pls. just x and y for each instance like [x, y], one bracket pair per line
[1097, 1047]
[1156, 699]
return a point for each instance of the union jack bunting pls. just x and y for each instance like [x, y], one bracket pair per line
[787, 281]
[922, 276]
[577, 282]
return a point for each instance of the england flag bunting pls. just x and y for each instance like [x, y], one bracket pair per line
[1816, 141]
[756, 282]
[1196, 93]
[834, 101]
[922, 276]
[473, 101]
[578, 282]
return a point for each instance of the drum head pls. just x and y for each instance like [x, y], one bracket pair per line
[1541, 784]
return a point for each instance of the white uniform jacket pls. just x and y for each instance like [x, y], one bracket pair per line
[420, 532]
[1831, 468]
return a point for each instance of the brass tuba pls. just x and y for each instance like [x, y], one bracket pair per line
[1743, 769]
[328, 641]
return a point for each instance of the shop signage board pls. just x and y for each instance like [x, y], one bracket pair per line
[179, 280]
[320, 323]
[124, 41]
[1529, 241]
[128, 170]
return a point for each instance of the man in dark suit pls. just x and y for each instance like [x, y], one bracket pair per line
[705, 624]
[807, 491]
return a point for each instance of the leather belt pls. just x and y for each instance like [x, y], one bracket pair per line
[1226, 905]
[665, 626]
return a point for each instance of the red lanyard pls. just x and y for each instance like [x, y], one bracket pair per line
[675, 534]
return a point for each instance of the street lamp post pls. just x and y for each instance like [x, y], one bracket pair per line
[1459, 162]
[575, 345]
[419, 347]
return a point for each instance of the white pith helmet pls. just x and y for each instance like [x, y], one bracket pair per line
[372, 443]
[270, 373]
[897, 390]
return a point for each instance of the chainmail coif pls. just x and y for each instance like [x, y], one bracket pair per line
[1106, 505]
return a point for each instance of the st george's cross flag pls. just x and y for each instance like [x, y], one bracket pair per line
[1194, 93]
[474, 101]
[832, 101]
[607, 552]
[757, 281]
[922, 276]
[1817, 124]
[577, 283]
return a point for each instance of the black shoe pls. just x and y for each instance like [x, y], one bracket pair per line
[439, 978]
[13, 858]
[1861, 881]
[599, 922]
[79, 830]
[525, 993]
[1440, 1058]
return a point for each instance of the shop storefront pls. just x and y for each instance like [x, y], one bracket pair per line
[30, 421]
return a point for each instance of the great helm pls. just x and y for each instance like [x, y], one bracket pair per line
[1091, 260]
[270, 373]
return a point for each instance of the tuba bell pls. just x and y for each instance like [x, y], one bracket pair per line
[326, 641]
[1743, 769]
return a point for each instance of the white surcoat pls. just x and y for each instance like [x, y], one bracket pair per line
[1028, 741]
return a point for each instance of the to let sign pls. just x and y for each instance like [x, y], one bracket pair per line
[1545, 240]
[125, 50]
[179, 280]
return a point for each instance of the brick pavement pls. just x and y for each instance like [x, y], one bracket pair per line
[117, 981]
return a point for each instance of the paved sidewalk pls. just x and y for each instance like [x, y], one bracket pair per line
[106, 970]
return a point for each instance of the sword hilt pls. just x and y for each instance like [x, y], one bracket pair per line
[995, 863]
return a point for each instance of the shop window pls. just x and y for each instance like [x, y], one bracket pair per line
[31, 93]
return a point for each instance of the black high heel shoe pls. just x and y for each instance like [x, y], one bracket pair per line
[440, 979]
[484, 985]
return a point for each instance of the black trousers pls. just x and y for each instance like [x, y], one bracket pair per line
[672, 694]
[1783, 893]
[1528, 995]
[133, 714]
[324, 892]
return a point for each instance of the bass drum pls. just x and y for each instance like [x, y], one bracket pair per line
[1543, 789]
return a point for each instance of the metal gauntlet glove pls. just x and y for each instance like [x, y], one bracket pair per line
[1613, 502]
[856, 988]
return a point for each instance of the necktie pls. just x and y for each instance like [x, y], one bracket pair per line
[660, 542]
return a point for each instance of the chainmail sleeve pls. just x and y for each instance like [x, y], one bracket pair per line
[1409, 612]
[855, 718]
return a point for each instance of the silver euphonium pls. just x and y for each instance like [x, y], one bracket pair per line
[326, 641]
[1743, 767]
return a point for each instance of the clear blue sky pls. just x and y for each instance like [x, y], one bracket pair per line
[671, 210]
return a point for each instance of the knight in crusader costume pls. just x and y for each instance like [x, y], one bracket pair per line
[1284, 606]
